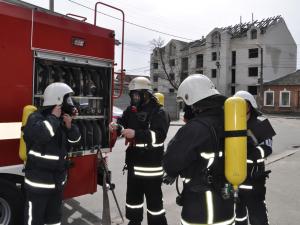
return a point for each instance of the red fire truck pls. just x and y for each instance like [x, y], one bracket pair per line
[38, 47]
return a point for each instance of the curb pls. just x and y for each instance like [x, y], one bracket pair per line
[277, 157]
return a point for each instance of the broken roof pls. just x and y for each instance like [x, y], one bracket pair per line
[237, 31]
[197, 43]
[240, 30]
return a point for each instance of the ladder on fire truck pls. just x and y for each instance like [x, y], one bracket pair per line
[37, 54]
[107, 185]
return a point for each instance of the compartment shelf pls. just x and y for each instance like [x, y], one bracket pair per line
[90, 117]
[91, 85]
[75, 97]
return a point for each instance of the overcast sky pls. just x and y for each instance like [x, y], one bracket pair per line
[186, 20]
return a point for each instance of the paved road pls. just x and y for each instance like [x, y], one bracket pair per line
[283, 198]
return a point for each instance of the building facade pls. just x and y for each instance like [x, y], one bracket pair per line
[235, 57]
[282, 95]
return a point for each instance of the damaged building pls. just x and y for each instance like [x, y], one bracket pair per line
[238, 57]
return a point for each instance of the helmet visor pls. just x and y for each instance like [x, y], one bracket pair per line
[68, 106]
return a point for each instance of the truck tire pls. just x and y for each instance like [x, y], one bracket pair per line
[11, 204]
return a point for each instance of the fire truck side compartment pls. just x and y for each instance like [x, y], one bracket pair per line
[27, 35]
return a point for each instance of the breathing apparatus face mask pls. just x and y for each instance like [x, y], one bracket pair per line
[68, 106]
[136, 98]
[188, 112]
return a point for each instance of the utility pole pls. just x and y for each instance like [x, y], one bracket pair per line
[261, 78]
[218, 73]
[51, 5]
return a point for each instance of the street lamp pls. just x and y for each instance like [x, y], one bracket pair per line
[261, 77]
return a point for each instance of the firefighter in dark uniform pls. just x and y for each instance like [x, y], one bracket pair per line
[48, 134]
[144, 125]
[251, 204]
[196, 153]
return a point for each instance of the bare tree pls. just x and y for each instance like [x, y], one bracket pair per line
[157, 45]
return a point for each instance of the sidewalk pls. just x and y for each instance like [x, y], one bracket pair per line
[283, 197]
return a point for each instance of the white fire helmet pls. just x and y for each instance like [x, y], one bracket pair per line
[195, 88]
[247, 96]
[140, 83]
[55, 92]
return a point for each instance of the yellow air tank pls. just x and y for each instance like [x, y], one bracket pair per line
[160, 97]
[27, 110]
[235, 141]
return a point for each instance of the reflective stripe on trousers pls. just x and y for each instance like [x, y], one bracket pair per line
[29, 212]
[241, 219]
[30, 215]
[148, 171]
[135, 206]
[158, 213]
[39, 185]
[43, 208]
[139, 188]
[206, 208]
[42, 185]
[139, 206]
[227, 222]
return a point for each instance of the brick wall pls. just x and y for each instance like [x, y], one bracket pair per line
[294, 99]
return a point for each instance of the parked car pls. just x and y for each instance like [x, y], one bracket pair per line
[117, 113]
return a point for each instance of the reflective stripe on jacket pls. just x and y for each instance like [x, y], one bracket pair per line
[47, 143]
[144, 154]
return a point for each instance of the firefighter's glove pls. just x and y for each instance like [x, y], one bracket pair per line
[168, 179]
[267, 172]
[69, 164]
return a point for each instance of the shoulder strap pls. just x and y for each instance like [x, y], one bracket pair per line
[216, 143]
[153, 111]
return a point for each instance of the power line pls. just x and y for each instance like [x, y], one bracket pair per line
[168, 34]
[139, 48]
[133, 24]
[139, 71]
[139, 68]
[134, 50]
[157, 31]
[202, 48]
